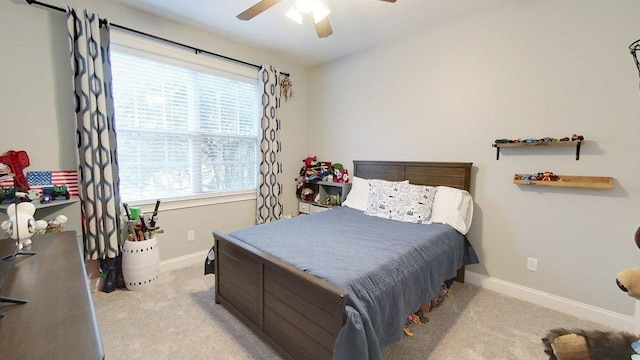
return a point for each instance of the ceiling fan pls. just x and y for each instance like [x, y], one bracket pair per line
[300, 8]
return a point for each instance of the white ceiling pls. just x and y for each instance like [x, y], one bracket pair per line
[357, 24]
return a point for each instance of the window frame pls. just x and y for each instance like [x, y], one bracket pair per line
[123, 41]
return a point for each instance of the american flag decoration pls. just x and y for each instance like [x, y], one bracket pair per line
[6, 180]
[39, 179]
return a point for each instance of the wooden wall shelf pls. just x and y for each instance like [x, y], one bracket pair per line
[591, 182]
[577, 144]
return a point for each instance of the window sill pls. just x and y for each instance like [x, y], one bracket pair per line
[194, 201]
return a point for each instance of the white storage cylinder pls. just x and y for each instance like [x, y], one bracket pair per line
[140, 263]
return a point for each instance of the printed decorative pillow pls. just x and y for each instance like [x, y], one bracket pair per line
[400, 201]
[382, 196]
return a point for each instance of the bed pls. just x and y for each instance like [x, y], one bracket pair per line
[318, 306]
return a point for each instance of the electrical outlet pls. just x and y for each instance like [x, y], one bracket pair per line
[191, 235]
[532, 264]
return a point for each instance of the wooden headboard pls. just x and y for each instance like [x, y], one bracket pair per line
[452, 174]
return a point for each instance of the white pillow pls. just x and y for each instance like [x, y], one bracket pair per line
[358, 195]
[453, 207]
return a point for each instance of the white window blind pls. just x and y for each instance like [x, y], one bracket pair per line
[182, 131]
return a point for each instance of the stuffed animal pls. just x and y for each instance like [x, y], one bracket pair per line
[21, 225]
[563, 344]
[310, 161]
[310, 173]
[340, 174]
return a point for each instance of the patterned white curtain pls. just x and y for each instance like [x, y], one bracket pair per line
[269, 205]
[95, 134]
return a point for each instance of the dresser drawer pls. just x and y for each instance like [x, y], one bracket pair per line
[317, 209]
[303, 207]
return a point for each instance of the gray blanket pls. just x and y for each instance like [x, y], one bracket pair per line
[390, 268]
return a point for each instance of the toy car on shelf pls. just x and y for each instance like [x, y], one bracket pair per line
[7, 194]
[50, 193]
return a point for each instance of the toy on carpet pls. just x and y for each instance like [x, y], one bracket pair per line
[563, 344]
[21, 225]
[419, 317]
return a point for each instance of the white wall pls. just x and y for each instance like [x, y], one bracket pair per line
[37, 108]
[524, 69]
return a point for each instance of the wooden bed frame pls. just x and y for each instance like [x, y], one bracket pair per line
[299, 314]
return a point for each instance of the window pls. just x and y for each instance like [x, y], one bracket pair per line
[184, 129]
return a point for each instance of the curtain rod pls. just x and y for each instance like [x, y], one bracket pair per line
[194, 49]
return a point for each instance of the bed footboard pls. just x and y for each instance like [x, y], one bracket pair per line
[297, 313]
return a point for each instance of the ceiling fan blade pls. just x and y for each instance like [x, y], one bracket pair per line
[257, 9]
[323, 28]
[391, 1]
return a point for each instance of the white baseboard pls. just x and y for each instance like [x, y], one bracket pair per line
[554, 302]
[183, 261]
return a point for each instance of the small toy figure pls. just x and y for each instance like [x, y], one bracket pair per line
[540, 176]
[7, 194]
[549, 176]
[61, 191]
[50, 193]
[307, 194]
[309, 161]
[325, 171]
[21, 225]
[286, 88]
[340, 174]
[57, 224]
[345, 176]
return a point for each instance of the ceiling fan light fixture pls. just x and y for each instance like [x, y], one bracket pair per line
[320, 12]
[305, 6]
[295, 15]
[302, 7]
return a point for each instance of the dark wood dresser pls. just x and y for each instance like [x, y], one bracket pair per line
[58, 321]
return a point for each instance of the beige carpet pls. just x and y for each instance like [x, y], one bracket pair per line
[178, 319]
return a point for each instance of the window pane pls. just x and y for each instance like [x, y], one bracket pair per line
[153, 165]
[182, 131]
[228, 163]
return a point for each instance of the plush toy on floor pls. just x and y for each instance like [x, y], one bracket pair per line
[563, 344]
